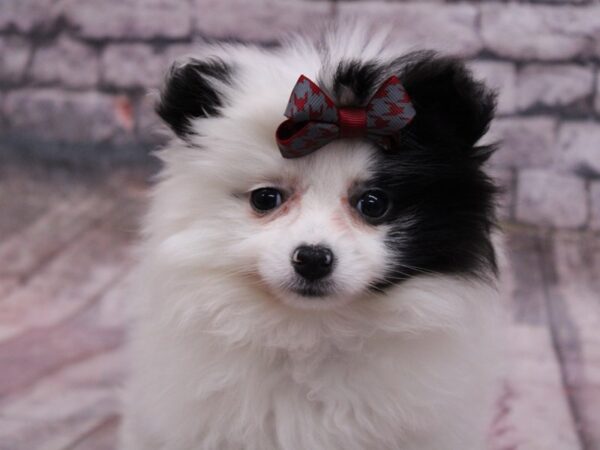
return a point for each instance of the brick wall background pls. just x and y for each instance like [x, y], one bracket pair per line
[75, 77]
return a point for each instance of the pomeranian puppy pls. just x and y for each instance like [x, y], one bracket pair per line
[318, 271]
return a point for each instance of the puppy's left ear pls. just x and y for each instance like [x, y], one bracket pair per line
[191, 91]
[452, 109]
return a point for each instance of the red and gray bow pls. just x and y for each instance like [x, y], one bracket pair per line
[314, 120]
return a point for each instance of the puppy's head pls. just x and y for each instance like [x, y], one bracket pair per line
[345, 223]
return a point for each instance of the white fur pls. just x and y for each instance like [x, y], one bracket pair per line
[224, 357]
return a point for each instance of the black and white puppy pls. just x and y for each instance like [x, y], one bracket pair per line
[345, 299]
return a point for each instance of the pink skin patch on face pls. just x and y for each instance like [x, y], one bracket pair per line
[342, 221]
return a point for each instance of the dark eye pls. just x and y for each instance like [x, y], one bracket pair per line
[373, 204]
[266, 199]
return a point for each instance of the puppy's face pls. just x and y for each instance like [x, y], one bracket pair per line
[318, 227]
[349, 221]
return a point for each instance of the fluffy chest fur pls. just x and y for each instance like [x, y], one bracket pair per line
[420, 379]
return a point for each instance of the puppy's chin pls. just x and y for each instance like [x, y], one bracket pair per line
[310, 296]
[313, 297]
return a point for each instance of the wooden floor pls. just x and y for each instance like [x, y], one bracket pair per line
[65, 260]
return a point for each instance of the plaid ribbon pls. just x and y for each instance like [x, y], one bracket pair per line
[314, 120]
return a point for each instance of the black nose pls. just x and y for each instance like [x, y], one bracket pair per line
[312, 261]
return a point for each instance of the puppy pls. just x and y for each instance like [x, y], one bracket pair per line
[325, 279]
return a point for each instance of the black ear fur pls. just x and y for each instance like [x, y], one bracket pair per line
[451, 107]
[189, 92]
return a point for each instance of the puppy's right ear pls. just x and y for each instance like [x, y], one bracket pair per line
[451, 106]
[191, 91]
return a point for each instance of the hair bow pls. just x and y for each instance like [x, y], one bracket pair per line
[314, 120]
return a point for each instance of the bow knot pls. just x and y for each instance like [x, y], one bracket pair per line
[352, 122]
[314, 120]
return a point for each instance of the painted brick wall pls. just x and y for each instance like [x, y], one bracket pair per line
[75, 77]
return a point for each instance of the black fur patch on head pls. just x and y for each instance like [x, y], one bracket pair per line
[443, 204]
[450, 104]
[189, 93]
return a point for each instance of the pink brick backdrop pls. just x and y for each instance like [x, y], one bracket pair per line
[74, 77]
